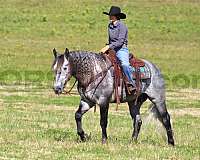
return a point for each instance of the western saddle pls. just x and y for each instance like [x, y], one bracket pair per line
[119, 75]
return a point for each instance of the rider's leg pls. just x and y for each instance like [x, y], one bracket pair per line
[123, 56]
[127, 72]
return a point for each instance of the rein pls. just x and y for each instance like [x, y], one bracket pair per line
[97, 76]
[68, 92]
[102, 73]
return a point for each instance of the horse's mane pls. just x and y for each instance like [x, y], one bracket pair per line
[86, 54]
[86, 64]
[87, 58]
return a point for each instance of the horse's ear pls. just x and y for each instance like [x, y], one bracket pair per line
[66, 53]
[55, 53]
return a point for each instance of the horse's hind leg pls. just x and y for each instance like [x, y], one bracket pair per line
[83, 108]
[164, 117]
[135, 114]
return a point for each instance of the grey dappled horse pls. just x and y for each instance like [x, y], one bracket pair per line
[94, 74]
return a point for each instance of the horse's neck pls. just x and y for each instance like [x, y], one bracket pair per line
[85, 66]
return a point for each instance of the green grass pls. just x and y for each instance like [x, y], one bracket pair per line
[166, 33]
[40, 125]
[36, 124]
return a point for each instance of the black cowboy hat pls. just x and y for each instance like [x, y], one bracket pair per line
[115, 11]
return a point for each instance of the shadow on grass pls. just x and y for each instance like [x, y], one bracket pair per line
[60, 134]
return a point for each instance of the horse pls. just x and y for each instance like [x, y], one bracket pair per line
[94, 74]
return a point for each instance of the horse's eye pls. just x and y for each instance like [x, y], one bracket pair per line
[65, 69]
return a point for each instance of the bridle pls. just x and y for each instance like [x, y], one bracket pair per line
[102, 73]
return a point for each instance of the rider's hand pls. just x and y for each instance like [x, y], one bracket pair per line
[104, 49]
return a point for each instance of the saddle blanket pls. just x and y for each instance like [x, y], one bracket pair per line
[144, 72]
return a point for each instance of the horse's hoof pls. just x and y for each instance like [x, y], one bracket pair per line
[85, 137]
[134, 139]
[171, 142]
[104, 141]
[88, 137]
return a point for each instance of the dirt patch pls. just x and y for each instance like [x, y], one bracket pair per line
[184, 94]
[185, 111]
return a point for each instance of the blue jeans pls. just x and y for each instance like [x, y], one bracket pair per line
[123, 56]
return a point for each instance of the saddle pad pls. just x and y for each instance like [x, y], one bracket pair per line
[144, 72]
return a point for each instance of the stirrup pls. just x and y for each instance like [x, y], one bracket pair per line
[131, 87]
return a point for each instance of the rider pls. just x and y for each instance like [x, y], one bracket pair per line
[118, 40]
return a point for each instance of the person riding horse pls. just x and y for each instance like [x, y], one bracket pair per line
[96, 82]
[118, 41]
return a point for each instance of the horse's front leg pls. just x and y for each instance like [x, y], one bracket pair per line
[135, 114]
[104, 121]
[83, 108]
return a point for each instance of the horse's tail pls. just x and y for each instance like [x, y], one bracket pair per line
[152, 115]
[152, 119]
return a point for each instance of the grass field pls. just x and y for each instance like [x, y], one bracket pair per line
[36, 124]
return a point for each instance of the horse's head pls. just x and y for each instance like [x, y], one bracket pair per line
[62, 70]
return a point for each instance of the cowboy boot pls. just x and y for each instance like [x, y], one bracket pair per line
[131, 83]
